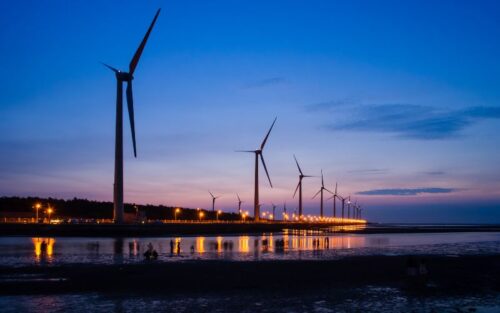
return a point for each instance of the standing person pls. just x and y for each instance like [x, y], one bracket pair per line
[171, 247]
[178, 247]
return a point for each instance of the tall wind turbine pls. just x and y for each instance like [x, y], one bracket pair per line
[258, 153]
[239, 203]
[213, 200]
[122, 77]
[299, 186]
[349, 206]
[320, 191]
[274, 210]
[343, 203]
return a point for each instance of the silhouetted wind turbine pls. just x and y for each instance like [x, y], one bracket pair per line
[343, 203]
[213, 200]
[320, 191]
[334, 197]
[274, 210]
[120, 78]
[349, 206]
[239, 204]
[258, 152]
[299, 186]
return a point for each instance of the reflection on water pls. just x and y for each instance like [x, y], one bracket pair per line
[43, 248]
[17, 251]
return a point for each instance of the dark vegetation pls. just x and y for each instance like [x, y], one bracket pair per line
[89, 209]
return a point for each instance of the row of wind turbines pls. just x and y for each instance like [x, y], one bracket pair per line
[356, 208]
[118, 213]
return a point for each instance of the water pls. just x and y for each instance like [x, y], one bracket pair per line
[23, 251]
[367, 299]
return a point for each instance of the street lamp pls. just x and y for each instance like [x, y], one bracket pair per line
[37, 207]
[217, 215]
[200, 215]
[49, 212]
[177, 210]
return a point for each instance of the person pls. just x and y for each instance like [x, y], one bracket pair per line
[178, 247]
[411, 271]
[171, 246]
[192, 248]
[422, 273]
[43, 247]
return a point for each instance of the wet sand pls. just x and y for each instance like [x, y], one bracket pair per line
[448, 275]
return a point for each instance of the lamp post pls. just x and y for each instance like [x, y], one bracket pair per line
[49, 212]
[37, 207]
[177, 210]
[217, 215]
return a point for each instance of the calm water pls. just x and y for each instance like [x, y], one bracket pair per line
[21, 251]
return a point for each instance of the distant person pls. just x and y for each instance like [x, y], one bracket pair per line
[43, 247]
[192, 249]
[411, 271]
[171, 246]
[327, 242]
[178, 247]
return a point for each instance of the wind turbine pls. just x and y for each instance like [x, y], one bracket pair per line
[258, 153]
[274, 210]
[122, 77]
[239, 203]
[349, 206]
[343, 203]
[213, 200]
[320, 191]
[299, 186]
[334, 197]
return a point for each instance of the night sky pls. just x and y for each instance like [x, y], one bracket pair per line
[397, 101]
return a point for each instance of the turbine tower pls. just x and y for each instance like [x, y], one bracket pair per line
[258, 153]
[334, 197]
[213, 200]
[343, 203]
[122, 77]
[320, 191]
[239, 203]
[299, 186]
[274, 210]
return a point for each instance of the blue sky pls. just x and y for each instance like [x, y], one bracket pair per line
[396, 101]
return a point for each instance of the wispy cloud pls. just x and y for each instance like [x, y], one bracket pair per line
[267, 82]
[369, 171]
[404, 120]
[405, 191]
[435, 173]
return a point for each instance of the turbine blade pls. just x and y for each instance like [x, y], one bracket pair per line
[328, 190]
[298, 166]
[130, 104]
[335, 188]
[211, 194]
[296, 189]
[322, 180]
[267, 136]
[330, 198]
[110, 67]
[137, 55]
[265, 169]
[317, 193]
[238, 197]
[253, 151]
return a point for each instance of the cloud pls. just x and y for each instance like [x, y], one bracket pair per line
[404, 191]
[368, 171]
[267, 82]
[435, 173]
[404, 120]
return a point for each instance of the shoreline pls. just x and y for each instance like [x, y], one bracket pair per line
[199, 229]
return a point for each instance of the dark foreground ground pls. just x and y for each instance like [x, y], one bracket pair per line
[357, 284]
[447, 275]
